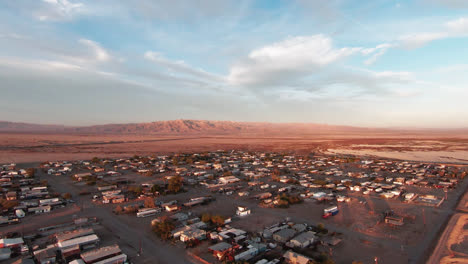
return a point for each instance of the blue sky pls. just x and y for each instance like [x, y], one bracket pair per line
[379, 63]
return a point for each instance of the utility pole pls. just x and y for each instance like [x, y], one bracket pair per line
[424, 218]
[140, 250]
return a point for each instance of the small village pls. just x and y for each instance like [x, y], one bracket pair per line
[223, 207]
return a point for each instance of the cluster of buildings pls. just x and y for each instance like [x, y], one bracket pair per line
[73, 242]
[23, 194]
[269, 179]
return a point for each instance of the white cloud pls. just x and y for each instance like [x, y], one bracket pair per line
[418, 40]
[180, 67]
[458, 26]
[451, 29]
[376, 52]
[286, 60]
[57, 10]
[42, 65]
[99, 52]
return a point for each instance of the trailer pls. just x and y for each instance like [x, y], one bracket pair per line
[148, 212]
[330, 211]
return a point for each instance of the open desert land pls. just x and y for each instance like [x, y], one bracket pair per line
[37, 147]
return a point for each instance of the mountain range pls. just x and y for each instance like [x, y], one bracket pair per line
[202, 127]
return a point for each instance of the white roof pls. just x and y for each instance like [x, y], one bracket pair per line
[76, 261]
[78, 241]
[12, 241]
[121, 257]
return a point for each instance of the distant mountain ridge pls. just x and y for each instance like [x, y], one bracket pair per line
[180, 127]
[198, 127]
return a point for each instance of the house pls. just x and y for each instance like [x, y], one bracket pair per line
[284, 235]
[232, 234]
[221, 249]
[71, 253]
[179, 216]
[299, 227]
[319, 195]
[228, 179]
[77, 261]
[113, 198]
[292, 257]
[67, 235]
[46, 255]
[246, 255]
[11, 196]
[100, 254]
[172, 207]
[242, 211]
[51, 202]
[303, 240]
[80, 241]
[81, 176]
[192, 234]
[387, 195]
[40, 209]
[11, 242]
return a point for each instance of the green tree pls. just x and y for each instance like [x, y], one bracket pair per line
[217, 220]
[155, 188]
[175, 184]
[130, 209]
[118, 209]
[206, 217]
[163, 228]
[8, 204]
[31, 172]
[149, 203]
[137, 190]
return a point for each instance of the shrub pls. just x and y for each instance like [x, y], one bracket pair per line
[118, 209]
[149, 203]
[164, 228]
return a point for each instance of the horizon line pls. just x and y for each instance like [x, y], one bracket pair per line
[233, 121]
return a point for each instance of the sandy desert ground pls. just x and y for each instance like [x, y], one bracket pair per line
[24, 147]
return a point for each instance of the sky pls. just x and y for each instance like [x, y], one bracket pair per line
[374, 63]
